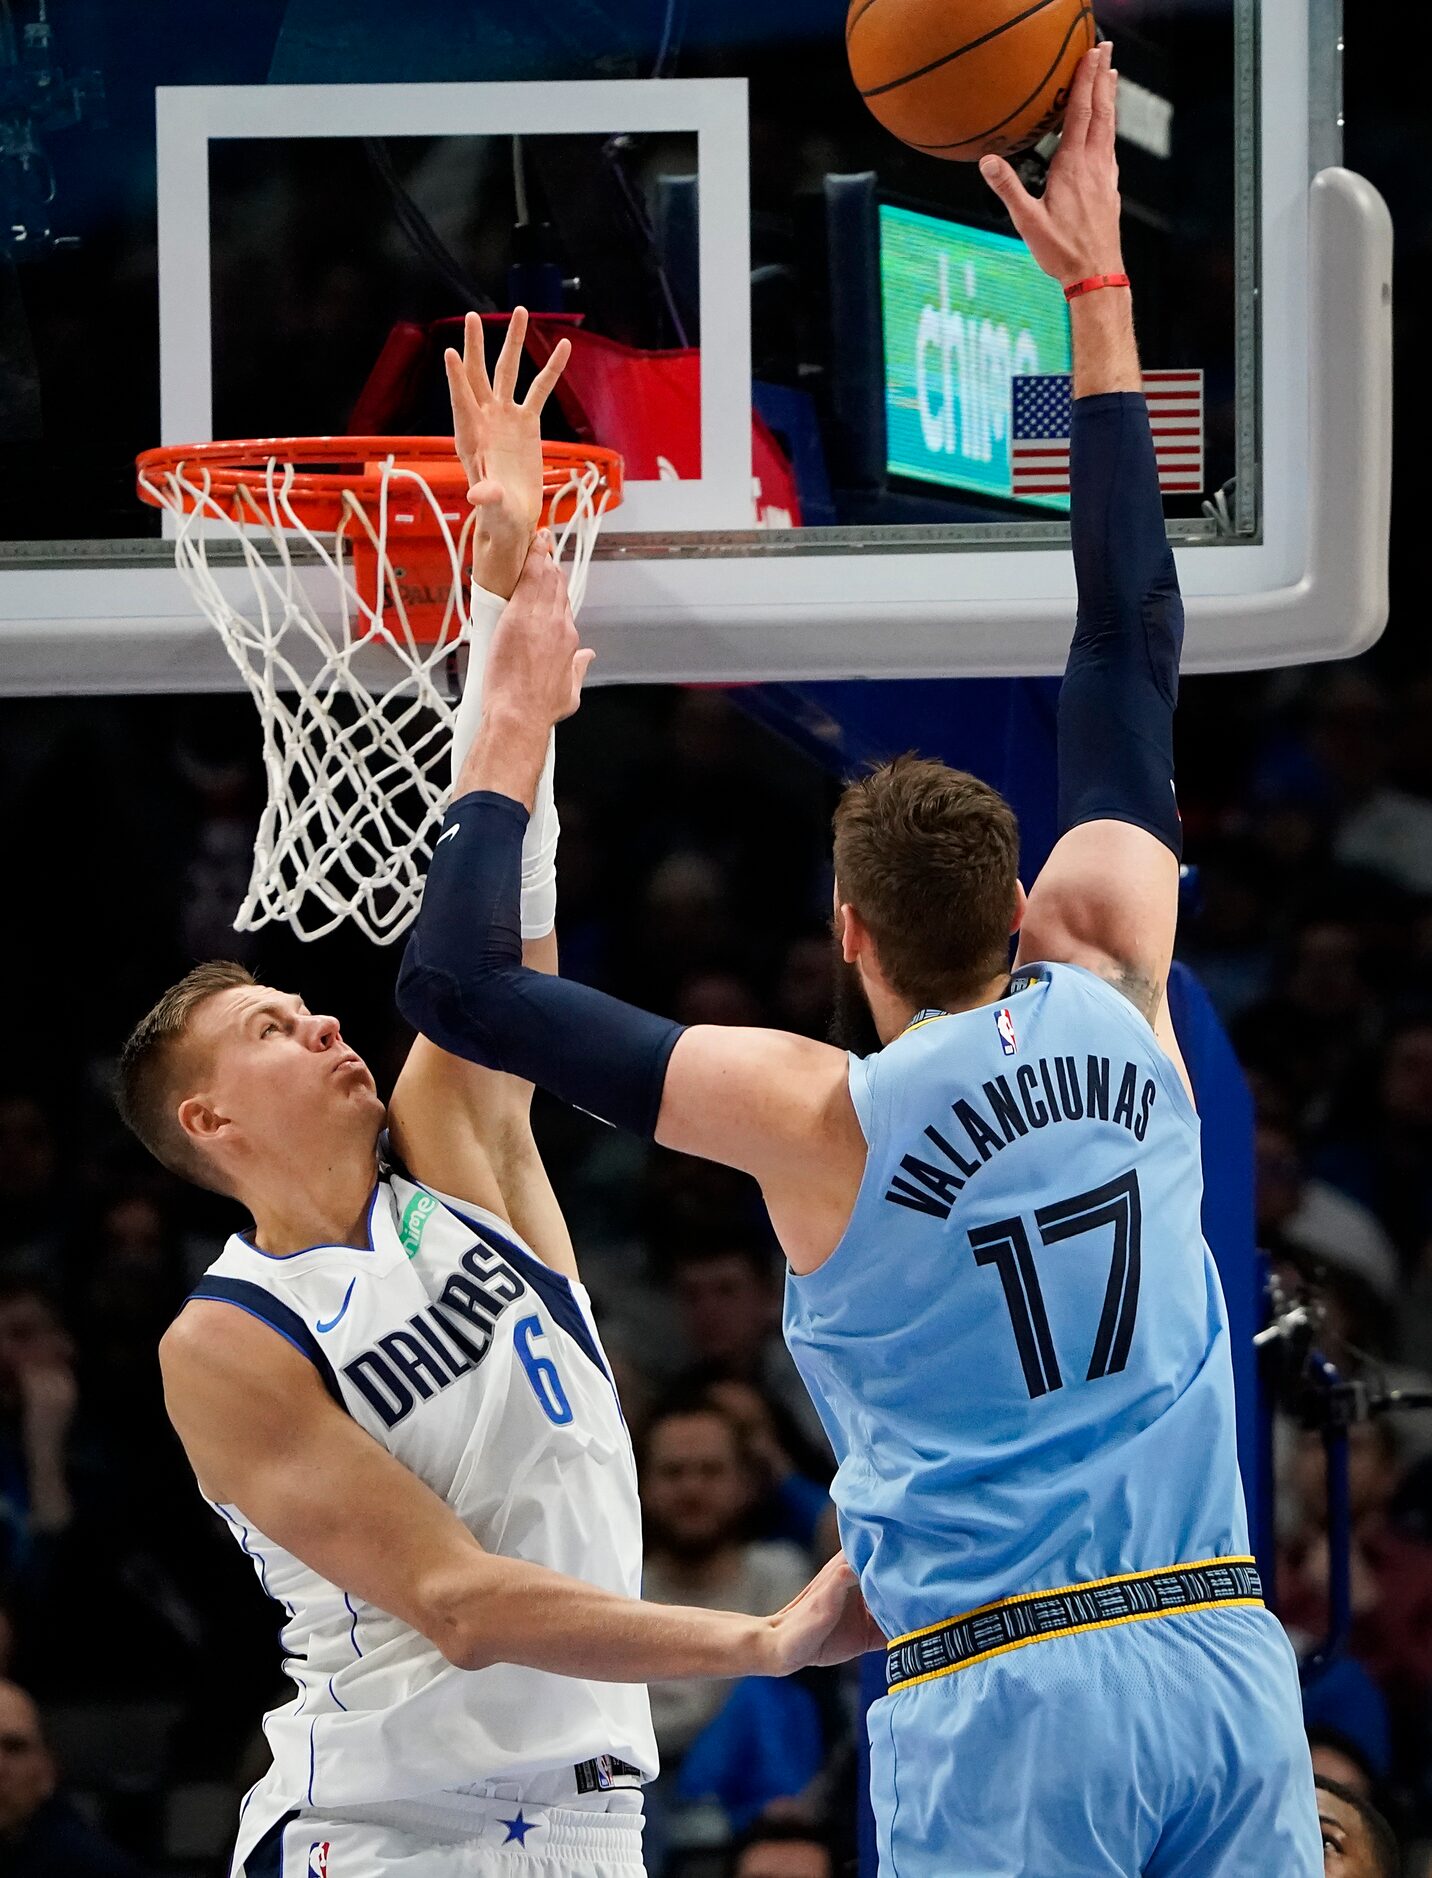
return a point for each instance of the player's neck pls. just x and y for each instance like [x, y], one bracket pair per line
[328, 1205]
[894, 1015]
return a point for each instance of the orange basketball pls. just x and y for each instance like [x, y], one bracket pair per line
[963, 78]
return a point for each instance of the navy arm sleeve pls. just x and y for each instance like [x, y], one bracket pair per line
[1120, 687]
[464, 986]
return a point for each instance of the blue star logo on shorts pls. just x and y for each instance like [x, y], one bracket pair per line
[517, 1829]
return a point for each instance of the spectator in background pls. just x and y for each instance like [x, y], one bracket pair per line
[792, 1504]
[1226, 942]
[38, 1400]
[697, 1491]
[29, 1181]
[1357, 1840]
[1380, 827]
[805, 989]
[137, 1271]
[728, 1293]
[1319, 1021]
[41, 1834]
[782, 1848]
[1315, 1221]
[1379, 1145]
[1391, 1571]
[718, 998]
[686, 929]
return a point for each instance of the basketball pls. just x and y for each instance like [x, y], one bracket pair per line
[962, 79]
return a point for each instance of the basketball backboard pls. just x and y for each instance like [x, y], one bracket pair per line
[212, 232]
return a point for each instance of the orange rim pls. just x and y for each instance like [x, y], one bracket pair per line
[327, 471]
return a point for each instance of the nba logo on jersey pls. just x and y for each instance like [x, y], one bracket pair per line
[1004, 1024]
[318, 1860]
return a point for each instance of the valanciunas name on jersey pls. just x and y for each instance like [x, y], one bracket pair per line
[1040, 1094]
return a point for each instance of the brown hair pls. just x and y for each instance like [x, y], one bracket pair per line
[929, 858]
[147, 1089]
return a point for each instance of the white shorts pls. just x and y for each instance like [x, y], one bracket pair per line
[596, 1836]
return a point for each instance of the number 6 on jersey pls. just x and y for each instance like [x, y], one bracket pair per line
[542, 1372]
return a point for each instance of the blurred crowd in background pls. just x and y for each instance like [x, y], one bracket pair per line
[694, 877]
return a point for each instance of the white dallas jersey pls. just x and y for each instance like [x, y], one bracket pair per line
[478, 1368]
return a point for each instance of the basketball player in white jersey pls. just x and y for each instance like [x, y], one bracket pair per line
[392, 1390]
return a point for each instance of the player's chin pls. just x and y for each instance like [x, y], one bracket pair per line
[353, 1077]
[352, 1090]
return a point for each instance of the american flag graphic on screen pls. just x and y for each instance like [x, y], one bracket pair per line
[1039, 432]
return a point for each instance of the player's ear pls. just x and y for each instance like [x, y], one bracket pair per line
[853, 933]
[1021, 907]
[200, 1120]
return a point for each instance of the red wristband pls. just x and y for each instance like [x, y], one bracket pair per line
[1094, 283]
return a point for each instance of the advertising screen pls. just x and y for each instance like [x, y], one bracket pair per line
[964, 312]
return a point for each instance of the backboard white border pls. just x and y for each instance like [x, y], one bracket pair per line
[1316, 587]
[191, 117]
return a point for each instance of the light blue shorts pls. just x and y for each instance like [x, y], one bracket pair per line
[1167, 1749]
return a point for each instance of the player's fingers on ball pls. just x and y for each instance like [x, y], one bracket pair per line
[1006, 185]
[1081, 99]
[1103, 120]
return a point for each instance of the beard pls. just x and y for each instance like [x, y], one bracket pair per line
[851, 1025]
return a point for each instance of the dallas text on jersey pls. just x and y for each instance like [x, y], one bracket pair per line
[447, 1340]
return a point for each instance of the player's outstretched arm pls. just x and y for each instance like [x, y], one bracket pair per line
[774, 1105]
[458, 1127]
[266, 1439]
[1108, 897]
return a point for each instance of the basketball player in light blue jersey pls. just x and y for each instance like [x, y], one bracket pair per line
[999, 1292]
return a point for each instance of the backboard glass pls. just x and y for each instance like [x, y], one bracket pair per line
[207, 231]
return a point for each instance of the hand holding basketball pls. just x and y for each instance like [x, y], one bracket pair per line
[1073, 229]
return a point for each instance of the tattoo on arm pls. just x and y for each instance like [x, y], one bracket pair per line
[1143, 992]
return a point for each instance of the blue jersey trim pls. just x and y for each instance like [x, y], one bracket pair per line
[322, 1245]
[550, 1286]
[268, 1309]
[266, 1859]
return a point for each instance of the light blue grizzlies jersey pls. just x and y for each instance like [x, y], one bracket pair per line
[1019, 1348]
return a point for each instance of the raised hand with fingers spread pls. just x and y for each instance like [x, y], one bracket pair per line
[499, 443]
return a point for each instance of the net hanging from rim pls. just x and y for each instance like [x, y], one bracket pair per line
[347, 646]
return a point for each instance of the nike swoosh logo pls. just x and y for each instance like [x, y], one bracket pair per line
[448, 833]
[322, 1328]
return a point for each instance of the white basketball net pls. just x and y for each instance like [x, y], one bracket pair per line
[357, 717]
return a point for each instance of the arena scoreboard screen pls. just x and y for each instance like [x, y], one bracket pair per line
[963, 312]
